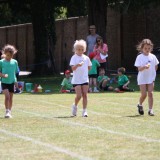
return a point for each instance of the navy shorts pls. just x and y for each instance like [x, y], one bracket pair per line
[74, 85]
[93, 76]
[10, 87]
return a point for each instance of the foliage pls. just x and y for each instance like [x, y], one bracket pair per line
[125, 6]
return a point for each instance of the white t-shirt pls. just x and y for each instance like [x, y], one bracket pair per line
[147, 76]
[80, 75]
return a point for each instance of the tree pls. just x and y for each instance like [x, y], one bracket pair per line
[44, 35]
[97, 15]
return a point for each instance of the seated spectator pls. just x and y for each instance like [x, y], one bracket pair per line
[103, 81]
[66, 85]
[123, 81]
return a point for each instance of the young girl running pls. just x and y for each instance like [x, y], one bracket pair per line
[80, 65]
[147, 65]
[8, 70]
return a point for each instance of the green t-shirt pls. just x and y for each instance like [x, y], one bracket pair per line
[99, 79]
[67, 83]
[122, 80]
[10, 68]
[93, 69]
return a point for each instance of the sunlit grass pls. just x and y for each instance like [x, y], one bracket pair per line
[113, 130]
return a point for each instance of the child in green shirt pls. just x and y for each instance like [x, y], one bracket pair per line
[66, 85]
[103, 81]
[123, 81]
[8, 70]
[93, 73]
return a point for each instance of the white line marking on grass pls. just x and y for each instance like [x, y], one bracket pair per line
[104, 114]
[145, 139]
[47, 102]
[50, 146]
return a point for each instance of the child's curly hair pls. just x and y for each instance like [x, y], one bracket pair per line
[9, 48]
[142, 43]
[122, 70]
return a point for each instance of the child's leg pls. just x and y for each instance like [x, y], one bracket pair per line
[95, 85]
[90, 84]
[143, 96]
[7, 98]
[78, 91]
[84, 95]
[150, 95]
[95, 82]
[10, 100]
[104, 83]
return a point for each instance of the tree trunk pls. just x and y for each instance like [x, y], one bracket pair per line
[44, 36]
[97, 15]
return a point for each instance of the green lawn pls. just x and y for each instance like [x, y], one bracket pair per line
[42, 127]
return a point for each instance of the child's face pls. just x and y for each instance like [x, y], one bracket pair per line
[67, 75]
[146, 49]
[8, 56]
[119, 73]
[102, 72]
[79, 50]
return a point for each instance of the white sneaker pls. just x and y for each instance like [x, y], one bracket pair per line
[84, 114]
[95, 90]
[74, 110]
[8, 114]
[150, 113]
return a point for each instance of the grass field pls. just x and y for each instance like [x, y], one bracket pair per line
[42, 127]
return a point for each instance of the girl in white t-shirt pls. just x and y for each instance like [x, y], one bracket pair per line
[80, 65]
[147, 64]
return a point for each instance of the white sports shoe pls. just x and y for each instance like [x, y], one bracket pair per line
[74, 110]
[95, 90]
[84, 114]
[8, 114]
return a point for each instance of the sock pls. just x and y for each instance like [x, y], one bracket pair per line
[84, 110]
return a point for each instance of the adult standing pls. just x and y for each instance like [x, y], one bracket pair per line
[101, 50]
[91, 39]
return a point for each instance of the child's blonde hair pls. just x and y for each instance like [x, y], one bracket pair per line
[9, 48]
[80, 42]
[142, 43]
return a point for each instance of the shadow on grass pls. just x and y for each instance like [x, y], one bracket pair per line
[134, 116]
[65, 117]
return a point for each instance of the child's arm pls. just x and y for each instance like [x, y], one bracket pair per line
[76, 66]
[126, 84]
[143, 67]
[3, 75]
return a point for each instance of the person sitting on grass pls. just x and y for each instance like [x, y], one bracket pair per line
[103, 81]
[66, 85]
[123, 81]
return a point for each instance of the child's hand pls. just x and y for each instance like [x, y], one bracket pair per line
[81, 63]
[147, 66]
